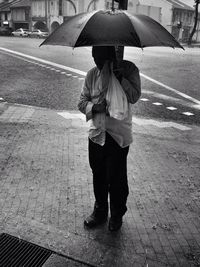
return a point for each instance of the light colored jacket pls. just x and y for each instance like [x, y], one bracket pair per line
[120, 130]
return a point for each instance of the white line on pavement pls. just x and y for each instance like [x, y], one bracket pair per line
[144, 99]
[188, 113]
[171, 89]
[171, 108]
[83, 73]
[138, 121]
[157, 104]
[176, 100]
[160, 124]
[45, 61]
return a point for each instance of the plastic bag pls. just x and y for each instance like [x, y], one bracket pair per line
[117, 103]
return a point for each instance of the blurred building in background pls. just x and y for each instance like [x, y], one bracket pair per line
[174, 15]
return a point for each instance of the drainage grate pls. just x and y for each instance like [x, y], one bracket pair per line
[15, 252]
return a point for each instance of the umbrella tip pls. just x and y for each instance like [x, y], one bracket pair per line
[42, 43]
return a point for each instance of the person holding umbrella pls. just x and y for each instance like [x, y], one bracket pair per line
[108, 145]
[109, 138]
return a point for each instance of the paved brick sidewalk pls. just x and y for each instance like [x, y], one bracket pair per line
[46, 191]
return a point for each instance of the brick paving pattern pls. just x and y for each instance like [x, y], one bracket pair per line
[46, 191]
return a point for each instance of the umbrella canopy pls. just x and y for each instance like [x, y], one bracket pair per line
[108, 28]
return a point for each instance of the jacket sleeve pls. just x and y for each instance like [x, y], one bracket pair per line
[131, 82]
[85, 104]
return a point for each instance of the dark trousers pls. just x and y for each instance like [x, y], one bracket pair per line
[109, 168]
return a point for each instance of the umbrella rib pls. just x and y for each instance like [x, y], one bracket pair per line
[78, 35]
[145, 27]
[156, 36]
[168, 33]
[138, 39]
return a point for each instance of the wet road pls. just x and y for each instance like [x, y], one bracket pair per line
[170, 78]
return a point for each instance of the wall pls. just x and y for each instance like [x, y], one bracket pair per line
[53, 7]
[164, 13]
[68, 8]
[18, 14]
[38, 8]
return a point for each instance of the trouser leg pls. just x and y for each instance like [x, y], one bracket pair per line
[97, 160]
[117, 173]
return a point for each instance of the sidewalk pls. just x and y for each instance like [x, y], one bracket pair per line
[46, 191]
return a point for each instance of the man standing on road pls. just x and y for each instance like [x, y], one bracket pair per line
[108, 146]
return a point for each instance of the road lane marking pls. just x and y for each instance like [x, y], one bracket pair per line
[69, 115]
[196, 106]
[194, 100]
[188, 113]
[171, 108]
[157, 104]
[176, 100]
[144, 99]
[83, 73]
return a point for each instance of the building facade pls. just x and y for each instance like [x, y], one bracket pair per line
[21, 14]
[182, 20]
[49, 14]
[5, 14]
[174, 15]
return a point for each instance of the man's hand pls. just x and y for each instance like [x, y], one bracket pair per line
[99, 108]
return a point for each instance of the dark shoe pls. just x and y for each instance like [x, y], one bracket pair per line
[115, 223]
[93, 221]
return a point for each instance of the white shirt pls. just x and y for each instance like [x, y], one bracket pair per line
[120, 130]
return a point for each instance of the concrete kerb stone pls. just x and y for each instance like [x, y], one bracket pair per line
[46, 191]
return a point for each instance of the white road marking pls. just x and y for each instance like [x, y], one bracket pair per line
[170, 98]
[160, 124]
[161, 96]
[194, 100]
[196, 106]
[171, 108]
[69, 115]
[83, 73]
[144, 99]
[1, 99]
[188, 113]
[157, 104]
[138, 121]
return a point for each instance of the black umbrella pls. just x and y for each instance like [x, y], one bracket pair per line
[111, 27]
